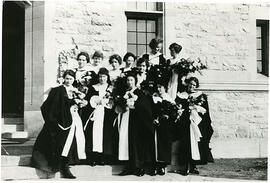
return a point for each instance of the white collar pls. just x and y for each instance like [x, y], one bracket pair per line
[98, 86]
[185, 95]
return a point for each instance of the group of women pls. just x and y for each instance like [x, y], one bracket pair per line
[101, 116]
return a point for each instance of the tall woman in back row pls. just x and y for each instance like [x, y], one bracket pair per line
[194, 130]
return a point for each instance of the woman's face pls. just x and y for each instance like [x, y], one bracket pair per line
[173, 53]
[129, 61]
[97, 61]
[157, 49]
[82, 61]
[103, 78]
[191, 86]
[161, 89]
[115, 64]
[142, 67]
[68, 80]
[131, 82]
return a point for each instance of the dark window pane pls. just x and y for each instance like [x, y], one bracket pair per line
[151, 6]
[131, 37]
[151, 26]
[141, 25]
[131, 25]
[141, 49]
[132, 49]
[141, 38]
[141, 6]
[259, 29]
[159, 6]
[259, 43]
[150, 36]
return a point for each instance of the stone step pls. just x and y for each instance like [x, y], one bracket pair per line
[12, 128]
[18, 149]
[28, 173]
[12, 120]
[21, 160]
[15, 135]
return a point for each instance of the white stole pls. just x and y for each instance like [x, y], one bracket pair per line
[123, 135]
[76, 129]
[98, 119]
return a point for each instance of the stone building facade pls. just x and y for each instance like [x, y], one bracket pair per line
[222, 35]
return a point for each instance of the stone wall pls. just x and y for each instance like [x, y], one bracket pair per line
[222, 35]
[90, 25]
[240, 123]
[239, 114]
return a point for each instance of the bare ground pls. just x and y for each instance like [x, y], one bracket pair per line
[250, 169]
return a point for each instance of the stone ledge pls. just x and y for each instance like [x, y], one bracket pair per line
[234, 86]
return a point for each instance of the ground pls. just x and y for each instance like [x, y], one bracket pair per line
[252, 169]
[221, 170]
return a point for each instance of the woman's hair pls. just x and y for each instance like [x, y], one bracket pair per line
[142, 60]
[69, 72]
[104, 71]
[117, 57]
[195, 80]
[97, 54]
[84, 54]
[129, 54]
[132, 74]
[154, 43]
[176, 47]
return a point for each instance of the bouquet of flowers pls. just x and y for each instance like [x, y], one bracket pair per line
[168, 111]
[186, 66]
[171, 110]
[78, 96]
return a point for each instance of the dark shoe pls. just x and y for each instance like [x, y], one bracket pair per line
[65, 173]
[181, 172]
[194, 171]
[161, 171]
[102, 163]
[125, 172]
[92, 163]
[139, 172]
[153, 172]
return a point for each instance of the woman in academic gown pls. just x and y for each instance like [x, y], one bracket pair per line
[62, 133]
[164, 123]
[176, 79]
[155, 57]
[194, 130]
[136, 132]
[99, 125]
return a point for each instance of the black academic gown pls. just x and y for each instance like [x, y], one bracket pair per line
[163, 135]
[182, 134]
[51, 140]
[108, 130]
[141, 133]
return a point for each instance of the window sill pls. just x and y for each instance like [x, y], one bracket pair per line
[260, 84]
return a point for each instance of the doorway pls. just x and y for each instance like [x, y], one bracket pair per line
[13, 60]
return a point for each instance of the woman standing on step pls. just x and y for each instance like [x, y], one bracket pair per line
[99, 125]
[62, 134]
[194, 130]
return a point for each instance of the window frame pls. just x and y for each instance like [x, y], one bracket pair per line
[157, 16]
[264, 24]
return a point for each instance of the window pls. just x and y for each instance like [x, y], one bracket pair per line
[262, 38]
[144, 22]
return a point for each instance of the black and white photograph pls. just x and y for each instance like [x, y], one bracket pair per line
[161, 91]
